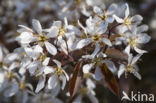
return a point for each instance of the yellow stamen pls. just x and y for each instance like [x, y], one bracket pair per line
[59, 71]
[22, 85]
[42, 38]
[96, 37]
[127, 21]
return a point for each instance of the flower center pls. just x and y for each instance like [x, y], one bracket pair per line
[59, 71]
[10, 75]
[62, 31]
[96, 37]
[129, 68]
[78, 1]
[132, 42]
[127, 21]
[22, 85]
[42, 38]
[83, 90]
[104, 17]
[42, 58]
[1, 64]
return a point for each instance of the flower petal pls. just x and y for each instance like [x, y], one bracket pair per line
[83, 43]
[63, 79]
[37, 26]
[50, 48]
[127, 49]
[107, 41]
[1, 54]
[52, 82]
[57, 63]
[97, 10]
[137, 19]
[87, 68]
[119, 20]
[53, 32]
[41, 84]
[136, 58]
[98, 73]
[139, 50]
[126, 11]
[121, 70]
[136, 74]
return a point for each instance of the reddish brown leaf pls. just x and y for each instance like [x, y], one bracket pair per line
[116, 54]
[110, 80]
[75, 80]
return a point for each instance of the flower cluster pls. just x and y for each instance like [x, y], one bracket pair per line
[104, 44]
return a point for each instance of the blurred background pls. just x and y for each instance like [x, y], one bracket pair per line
[15, 12]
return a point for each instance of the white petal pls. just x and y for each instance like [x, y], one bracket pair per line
[53, 32]
[66, 75]
[111, 9]
[41, 84]
[48, 70]
[87, 68]
[121, 70]
[98, 74]
[52, 82]
[90, 83]
[37, 26]
[136, 58]
[142, 28]
[57, 63]
[57, 24]
[92, 98]
[13, 66]
[25, 38]
[63, 79]
[11, 57]
[12, 90]
[33, 67]
[46, 61]
[107, 41]
[109, 19]
[111, 66]
[130, 57]
[119, 20]
[143, 38]
[127, 49]
[82, 27]
[97, 10]
[137, 75]
[24, 29]
[78, 99]
[1, 55]
[38, 49]
[83, 43]
[139, 50]
[127, 11]
[50, 48]
[97, 48]
[137, 18]
[65, 21]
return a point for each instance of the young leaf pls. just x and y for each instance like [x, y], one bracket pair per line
[116, 54]
[75, 80]
[110, 80]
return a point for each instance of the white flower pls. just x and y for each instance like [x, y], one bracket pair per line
[29, 36]
[136, 38]
[87, 91]
[128, 21]
[95, 28]
[59, 76]
[106, 15]
[131, 67]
